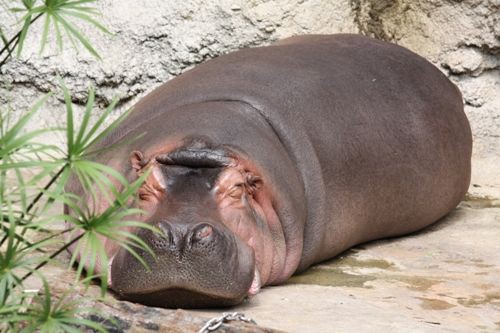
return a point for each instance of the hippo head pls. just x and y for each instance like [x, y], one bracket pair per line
[215, 240]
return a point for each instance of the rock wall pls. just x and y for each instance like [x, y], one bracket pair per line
[462, 38]
[155, 40]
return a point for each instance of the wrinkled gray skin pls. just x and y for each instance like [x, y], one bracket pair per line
[268, 160]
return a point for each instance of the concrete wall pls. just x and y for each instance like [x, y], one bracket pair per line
[156, 40]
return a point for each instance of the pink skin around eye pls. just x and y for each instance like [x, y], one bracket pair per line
[236, 216]
[204, 232]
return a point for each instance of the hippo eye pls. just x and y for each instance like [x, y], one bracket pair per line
[236, 191]
[143, 195]
[203, 233]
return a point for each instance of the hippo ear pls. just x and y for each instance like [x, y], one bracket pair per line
[253, 182]
[153, 189]
[139, 164]
[196, 158]
[137, 160]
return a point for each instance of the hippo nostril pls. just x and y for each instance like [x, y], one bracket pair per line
[202, 232]
[161, 242]
[163, 239]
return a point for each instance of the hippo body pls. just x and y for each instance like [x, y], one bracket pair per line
[318, 142]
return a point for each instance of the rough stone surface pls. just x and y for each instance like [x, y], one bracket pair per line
[462, 38]
[154, 41]
[444, 279]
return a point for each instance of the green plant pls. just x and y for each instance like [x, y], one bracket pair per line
[25, 211]
[47, 316]
[33, 176]
[59, 14]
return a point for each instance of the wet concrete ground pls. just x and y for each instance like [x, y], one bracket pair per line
[443, 279]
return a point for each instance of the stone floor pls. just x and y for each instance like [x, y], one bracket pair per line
[445, 278]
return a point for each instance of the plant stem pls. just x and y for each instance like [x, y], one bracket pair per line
[18, 237]
[14, 40]
[8, 54]
[35, 201]
[18, 35]
[52, 256]
[46, 187]
[46, 239]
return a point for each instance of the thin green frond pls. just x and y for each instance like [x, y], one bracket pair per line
[15, 130]
[84, 322]
[71, 29]
[20, 141]
[5, 42]
[9, 309]
[28, 4]
[21, 184]
[70, 128]
[121, 143]
[62, 315]
[86, 116]
[137, 256]
[91, 136]
[105, 170]
[45, 33]
[24, 32]
[46, 241]
[68, 34]
[61, 182]
[76, 3]
[3, 38]
[109, 224]
[59, 39]
[85, 18]
[26, 164]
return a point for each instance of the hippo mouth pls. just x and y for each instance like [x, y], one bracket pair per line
[185, 298]
[191, 281]
[189, 299]
[180, 298]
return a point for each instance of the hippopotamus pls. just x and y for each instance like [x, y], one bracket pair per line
[267, 160]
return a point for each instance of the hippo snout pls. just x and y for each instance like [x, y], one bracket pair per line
[177, 239]
[194, 265]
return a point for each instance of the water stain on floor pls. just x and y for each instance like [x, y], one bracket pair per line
[487, 298]
[349, 259]
[474, 201]
[480, 263]
[334, 274]
[334, 277]
[368, 263]
[417, 283]
[434, 304]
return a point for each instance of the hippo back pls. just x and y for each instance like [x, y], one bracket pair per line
[378, 134]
